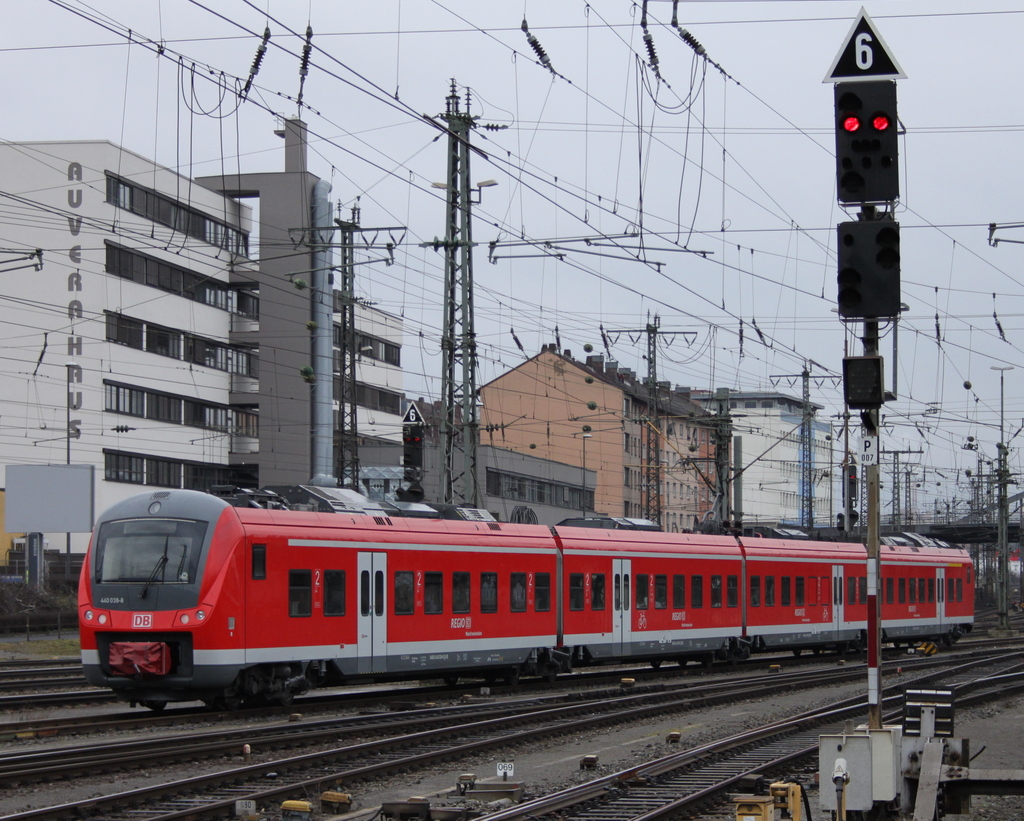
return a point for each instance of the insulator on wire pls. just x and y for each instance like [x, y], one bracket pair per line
[651, 55]
[538, 49]
[306, 49]
[691, 41]
[257, 61]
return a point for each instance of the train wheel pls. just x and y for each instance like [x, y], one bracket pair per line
[450, 680]
[796, 651]
[656, 664]
[155, 706]
[708, 660]
[284, 699]
[511, 676]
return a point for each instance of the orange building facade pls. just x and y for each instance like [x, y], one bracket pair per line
[594, 414]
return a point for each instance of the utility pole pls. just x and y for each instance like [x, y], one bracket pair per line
[897, 486]
[723, 437]
[651, 468]
[460, 425]
[348, 424]
[807, 483]
[1003, 516]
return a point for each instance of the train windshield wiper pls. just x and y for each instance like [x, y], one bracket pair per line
[153, 574]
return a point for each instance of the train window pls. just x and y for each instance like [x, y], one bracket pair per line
[716, 591]
[542, 593]
[154, 551]
[300, 592]
[902, 588]
[970, 572]
[851, 590]
[755, 591]
[378, 592]
[889, 590]
[334, 592]
[642, 591]
[597, 595]
[364, 593]
[678, 592]
[801, 591]
[259, 561]
[660, 592]
[625, 591]
[950, 590]
[913, 591]
[433, 593]
[786, 598]
[460, 592]
[404, 594]
[960, 589]
[839, 590]
[518, 593]
[488, 592]
[616, 594]
[862, 583]
[769, 591]
[931, 590]
[575, 591]
[696, 591]
[920, 590]
[732, 591]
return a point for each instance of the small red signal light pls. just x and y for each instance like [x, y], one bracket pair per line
[851, 123]
[881, 122]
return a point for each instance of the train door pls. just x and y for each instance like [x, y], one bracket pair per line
[838, 591]
[373, 637]
[622, 626]
[940, 598]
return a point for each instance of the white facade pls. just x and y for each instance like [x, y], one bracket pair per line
[769, 427]
[89, 350]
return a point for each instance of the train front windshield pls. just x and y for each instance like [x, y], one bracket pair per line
[150, 551]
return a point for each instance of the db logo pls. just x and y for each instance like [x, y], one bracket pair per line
[142, 621]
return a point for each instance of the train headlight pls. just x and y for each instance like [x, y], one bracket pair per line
[184, 618]
[88, 615]
[200, 614]
[102, 618]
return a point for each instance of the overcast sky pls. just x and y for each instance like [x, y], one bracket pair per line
[729, 155]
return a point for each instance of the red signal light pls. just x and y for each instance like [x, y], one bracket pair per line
[851, 123]
[881, 122]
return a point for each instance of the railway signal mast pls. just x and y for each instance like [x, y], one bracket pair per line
[868, 250]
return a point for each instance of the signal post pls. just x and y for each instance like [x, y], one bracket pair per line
[868, 252]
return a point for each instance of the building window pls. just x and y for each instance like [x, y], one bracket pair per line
[122, 399]
[163, 473]
[124, 330]
[168, 212]
[124, 467]
[163, 341]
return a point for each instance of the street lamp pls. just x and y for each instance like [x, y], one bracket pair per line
[1003, 520]
[583, 494]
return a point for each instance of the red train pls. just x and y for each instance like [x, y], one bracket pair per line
[184, 597]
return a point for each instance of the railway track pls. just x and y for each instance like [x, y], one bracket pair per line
[326, 769]
[698, 780]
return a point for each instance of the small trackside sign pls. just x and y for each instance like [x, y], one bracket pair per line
[412, 415]
[864, 56]
[142, 621]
